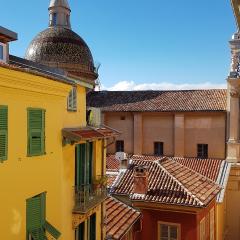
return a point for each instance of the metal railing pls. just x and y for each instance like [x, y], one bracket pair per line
[88, 196]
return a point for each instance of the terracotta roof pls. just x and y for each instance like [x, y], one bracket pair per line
[110, 179]
[159, 101]
[120, 218]
[112, 163]
[169, 183]
[208, 167]
[88, 133]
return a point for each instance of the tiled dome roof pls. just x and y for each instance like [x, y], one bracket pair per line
[63, 48]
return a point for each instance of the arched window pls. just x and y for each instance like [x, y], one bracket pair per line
[54, 19]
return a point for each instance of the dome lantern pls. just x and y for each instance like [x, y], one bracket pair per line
[59, 14]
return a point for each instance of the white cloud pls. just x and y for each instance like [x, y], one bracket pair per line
[130, 85]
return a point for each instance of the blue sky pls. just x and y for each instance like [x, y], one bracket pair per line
[141, 43]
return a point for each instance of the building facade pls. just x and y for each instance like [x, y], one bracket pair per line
[52, 162]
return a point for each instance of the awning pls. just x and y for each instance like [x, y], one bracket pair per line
[88, 133]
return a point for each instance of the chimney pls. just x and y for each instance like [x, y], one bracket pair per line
[123, 159]
[140, 180]
[6, 36]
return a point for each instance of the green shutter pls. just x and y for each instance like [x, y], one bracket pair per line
[90, 162]
[52, 230]
[35, 213]
[3, 132]
[36, 132]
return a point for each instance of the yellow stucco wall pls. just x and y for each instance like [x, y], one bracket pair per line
[23, 177]
[54, 172]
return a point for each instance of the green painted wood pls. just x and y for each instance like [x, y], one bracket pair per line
[90, 162]
[36, 132]
[3, 133]
[52, 230]
[34, 214]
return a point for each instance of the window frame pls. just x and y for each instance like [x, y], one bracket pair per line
[201, 148]
[161, 148]
[72, 100]
[202, 229]
[169, 224]
[121, 147]
[4, 52]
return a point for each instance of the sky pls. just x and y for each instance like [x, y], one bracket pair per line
[141, 44]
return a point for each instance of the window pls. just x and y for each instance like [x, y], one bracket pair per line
[92, 227]
[120, 146]
[80, 231]
[36, 224]
[54, 20]
[212, 224]
[3, 52]
[158, 148]
[72, 100]
[3, 132]
[202, 150]
[36, 132]
[203, 229]
[83, 164]
[168, 231]
[122, 118]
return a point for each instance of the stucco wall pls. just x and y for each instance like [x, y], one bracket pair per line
[124, 126]
[180, 132]
[158, 128]
[205, 128]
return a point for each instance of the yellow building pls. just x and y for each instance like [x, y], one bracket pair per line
[52, 169]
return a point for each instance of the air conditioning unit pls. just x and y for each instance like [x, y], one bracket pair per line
[120, 156]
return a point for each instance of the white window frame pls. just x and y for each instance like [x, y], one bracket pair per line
[212, 224]
[4, 46]
[203, 229]
[72, 100]
[169, 224]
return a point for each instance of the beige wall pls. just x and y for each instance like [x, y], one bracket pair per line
[206, 128]
[180, 132]
[124, 126]
[158, 128]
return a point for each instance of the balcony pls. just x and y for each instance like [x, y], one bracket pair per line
[88, 196]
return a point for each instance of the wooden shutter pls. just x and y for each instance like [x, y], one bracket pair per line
[80, 164]
[36, 132]
[90, 162]
[36, 213]
[93, 227]
[3, 132]
[52, 230]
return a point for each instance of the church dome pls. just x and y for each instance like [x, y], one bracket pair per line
[60, 47]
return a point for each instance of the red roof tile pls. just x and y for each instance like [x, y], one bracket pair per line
[88, 133]
[120, 218]
[112, 163]
[169, 183]
[208, 167]
[159, 101]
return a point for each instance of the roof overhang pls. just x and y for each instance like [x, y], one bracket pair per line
[88, 133]
[236, 11]
[7, 35]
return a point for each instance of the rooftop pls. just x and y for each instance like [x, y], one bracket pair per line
[120, 218]
[170, 182]
[159, 101]
[7, 35]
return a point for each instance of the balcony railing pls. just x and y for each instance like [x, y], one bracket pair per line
[88, 196]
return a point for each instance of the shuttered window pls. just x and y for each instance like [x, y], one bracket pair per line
[36, 132]
[72, 100]
[203, 229]
[36, 224]
[3, 132]
[212, 224]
